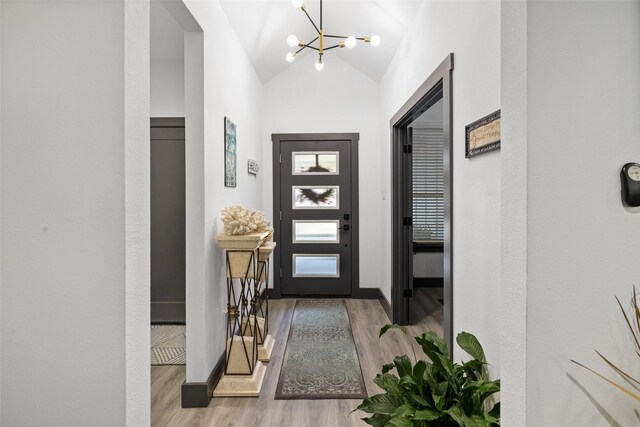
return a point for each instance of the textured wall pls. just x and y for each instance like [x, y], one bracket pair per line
[583, 110]
[74, 213]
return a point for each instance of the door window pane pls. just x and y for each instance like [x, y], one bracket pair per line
[315, 163]
[310, 197]
[317, 265]
[316, 231]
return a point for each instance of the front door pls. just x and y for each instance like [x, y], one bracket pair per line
[316, 214]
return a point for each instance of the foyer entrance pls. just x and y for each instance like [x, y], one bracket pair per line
[315, 213]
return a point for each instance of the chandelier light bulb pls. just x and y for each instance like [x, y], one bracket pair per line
[290, 57]
[292, 41]
[297, 3]
[350, 42]
[375, 41]
[319, 65]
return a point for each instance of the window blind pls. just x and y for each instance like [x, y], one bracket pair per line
[428, 184]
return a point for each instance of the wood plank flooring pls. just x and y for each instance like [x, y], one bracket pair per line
[367, 317]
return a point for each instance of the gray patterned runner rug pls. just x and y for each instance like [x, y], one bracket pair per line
[320, 359]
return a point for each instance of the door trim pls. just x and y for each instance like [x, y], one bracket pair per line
[278, 138]
[440, 79]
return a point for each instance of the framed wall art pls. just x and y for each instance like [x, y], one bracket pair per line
[483, 135]
[230, 149]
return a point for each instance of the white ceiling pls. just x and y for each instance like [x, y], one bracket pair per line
[263, 26]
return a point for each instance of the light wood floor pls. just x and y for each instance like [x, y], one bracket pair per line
[367, 317]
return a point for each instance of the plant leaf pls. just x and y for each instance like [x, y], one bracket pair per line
[387, 327]
[429, 342]
[476, 421]
[418, 373]
[626, 318]
[619, 387]
[403, 411]
[399, 422]
[388, 383]
[421, 401]
[620, 371]
[386, 368]
[379, 404]
[433, 342]
[403, 365]
[439, 401]
[469, 343]
[377, 420]
[426, 415]
[457, 415]
[495, 411]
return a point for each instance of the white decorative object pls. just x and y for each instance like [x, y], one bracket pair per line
[240, 220]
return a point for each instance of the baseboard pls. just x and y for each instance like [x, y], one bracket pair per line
[199, 394]
[386, 306]
[366, 293]
[273, 294]
[428, 282]
[168, 312]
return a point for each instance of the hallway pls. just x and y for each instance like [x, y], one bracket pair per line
[366, 316]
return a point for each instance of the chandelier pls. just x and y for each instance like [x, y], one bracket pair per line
[346, 41]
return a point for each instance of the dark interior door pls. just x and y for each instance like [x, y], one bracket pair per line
[167, 221]
[315, 217]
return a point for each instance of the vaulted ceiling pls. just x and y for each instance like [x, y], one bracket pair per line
[263, 26]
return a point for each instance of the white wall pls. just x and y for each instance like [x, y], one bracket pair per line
[338, 99]
[74, 198]
[513, 215]
[167, 88]
[231, 88]
[0, 215]
[471, 30]
[583, 125]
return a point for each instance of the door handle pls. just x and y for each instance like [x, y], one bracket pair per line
[345, 227]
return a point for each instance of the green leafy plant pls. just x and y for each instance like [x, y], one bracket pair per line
[438, 393]
[633, 323]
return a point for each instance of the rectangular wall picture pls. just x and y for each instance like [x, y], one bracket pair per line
[230, 148]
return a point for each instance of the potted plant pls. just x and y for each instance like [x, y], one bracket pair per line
[438, 392]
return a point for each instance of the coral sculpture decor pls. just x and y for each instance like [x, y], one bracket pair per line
[240, 220]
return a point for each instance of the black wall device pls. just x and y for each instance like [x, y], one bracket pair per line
[630, 177]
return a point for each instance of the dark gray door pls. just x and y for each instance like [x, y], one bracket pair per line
[167, 221]
[316, 224]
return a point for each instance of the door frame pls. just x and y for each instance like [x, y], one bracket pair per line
[353, 138]
[402, 275]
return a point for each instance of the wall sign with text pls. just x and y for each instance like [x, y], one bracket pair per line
[253, 167]
[483, 135]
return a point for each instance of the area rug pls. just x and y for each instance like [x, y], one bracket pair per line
[168, 345]
[320, 359]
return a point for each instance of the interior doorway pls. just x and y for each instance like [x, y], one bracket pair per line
[168, 211]
[177, 107]
[422, 203]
